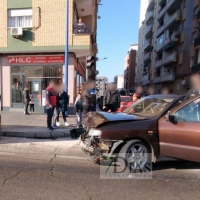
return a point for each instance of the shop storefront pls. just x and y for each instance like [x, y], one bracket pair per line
[32, 71]
[36, 72]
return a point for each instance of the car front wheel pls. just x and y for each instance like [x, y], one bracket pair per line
[135, 154]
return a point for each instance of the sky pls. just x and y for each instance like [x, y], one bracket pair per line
[117, 30]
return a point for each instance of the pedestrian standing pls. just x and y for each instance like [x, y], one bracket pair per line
[26, 100]
[31, 103]
[195, 84]
[63, 101]
[79, 110]
[94, 101]
[87, 98]
[138, 93]
[50, 103]
[111, 99]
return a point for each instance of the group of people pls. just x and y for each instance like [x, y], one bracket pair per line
[57, 101]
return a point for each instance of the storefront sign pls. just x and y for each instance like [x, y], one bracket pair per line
[35, 59]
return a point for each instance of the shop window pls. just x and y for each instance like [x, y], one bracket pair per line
[20, 18]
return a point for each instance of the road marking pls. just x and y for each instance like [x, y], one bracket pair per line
[7, 153]
[72, 157]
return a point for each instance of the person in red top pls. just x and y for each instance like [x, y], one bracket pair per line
[50, 103]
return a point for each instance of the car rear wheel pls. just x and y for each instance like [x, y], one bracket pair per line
[135, 154]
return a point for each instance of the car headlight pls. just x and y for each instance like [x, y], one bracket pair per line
[95, 133]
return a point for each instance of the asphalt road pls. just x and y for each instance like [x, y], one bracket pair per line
[47, 169]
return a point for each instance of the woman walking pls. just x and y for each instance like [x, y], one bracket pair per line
[63, 101]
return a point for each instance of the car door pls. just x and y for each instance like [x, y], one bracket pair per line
[180, 137]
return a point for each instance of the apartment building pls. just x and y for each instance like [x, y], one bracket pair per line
[32, 47]
[171, 32]
[129, 67]
[119, 80]
[141, 36]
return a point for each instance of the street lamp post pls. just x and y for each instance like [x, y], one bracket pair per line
[103, 59]
[66, 48]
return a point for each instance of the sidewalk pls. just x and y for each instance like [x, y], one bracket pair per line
[16, 124]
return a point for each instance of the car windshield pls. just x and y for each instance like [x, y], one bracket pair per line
[125, 99]
[149, 107]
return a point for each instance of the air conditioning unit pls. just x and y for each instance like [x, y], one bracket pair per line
[16, 31]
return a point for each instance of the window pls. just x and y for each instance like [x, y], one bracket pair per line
[20, 18]
[160, 40]
[189, 113]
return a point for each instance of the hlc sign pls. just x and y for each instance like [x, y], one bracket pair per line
[35, 59]
[19, 60]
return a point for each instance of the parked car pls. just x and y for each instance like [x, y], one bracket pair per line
[126, 101]
[158, 124]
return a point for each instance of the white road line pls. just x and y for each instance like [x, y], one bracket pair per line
[7, 153]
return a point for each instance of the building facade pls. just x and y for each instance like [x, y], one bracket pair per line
[141, 36]
[171, 47]
[32, 47]
[101, 83]
[129, 67]
[119, 80]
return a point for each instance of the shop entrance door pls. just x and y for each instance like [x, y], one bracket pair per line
[17, 87]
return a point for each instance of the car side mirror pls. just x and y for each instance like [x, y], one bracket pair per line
[170, 118]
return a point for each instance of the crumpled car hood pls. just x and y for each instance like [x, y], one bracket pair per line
[94, 119]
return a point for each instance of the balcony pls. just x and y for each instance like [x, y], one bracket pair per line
[147, 56]
[161, 13]
[172, 4]
[160, 29]
[148, 47]
[169, 77]
[169, 59]
[148, 31]
[173, 38]
[197, 43]
[159, 47]
[151, 5]
[81, 29]
[157, 79]
[170, 19]
[81, 36]
[148, 17]
[158, 63]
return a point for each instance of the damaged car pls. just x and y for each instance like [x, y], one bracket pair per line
[156, 125]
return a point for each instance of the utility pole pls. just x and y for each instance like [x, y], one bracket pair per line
[66, 48]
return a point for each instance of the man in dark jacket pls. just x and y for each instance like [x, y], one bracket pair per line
[50, 103]
[111, 99]
[195, 84]
[87, 98]
[26, 95]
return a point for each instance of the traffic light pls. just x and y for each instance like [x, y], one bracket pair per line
[90, 61]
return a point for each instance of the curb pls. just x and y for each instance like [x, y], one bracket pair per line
[38, 135]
